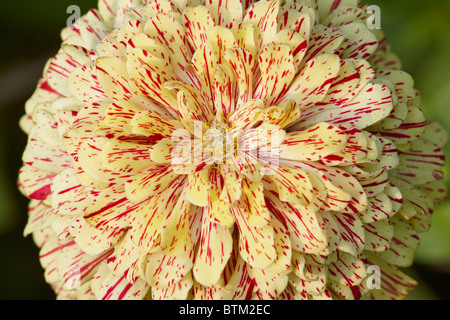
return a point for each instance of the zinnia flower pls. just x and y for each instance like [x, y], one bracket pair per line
[228, 150]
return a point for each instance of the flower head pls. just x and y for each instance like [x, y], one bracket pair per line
[228, 150]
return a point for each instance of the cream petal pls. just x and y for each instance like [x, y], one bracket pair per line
[175, 230]
[313, 144]
[256, 245]
[225, 14]
[198, 187]
[276, 63]
[144, 185]
[178, 291]
[153, 126]
[242, 62]
[347, 270]
[215, 249]
[303, 224]
[313, 82]
[113, 76]
[264, 16]
[84, 85]
[35, 183]
[198, 22]
[164, 271]
[106, 286]
[146, 224]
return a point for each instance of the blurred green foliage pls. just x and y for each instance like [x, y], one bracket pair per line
[418, 31]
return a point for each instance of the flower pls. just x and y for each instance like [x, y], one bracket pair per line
[228, 150]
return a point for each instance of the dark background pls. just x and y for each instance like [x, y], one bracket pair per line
[418, 31]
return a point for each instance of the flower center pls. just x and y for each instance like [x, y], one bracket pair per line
[220, 141]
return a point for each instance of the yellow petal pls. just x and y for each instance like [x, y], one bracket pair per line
[213, 254]
[175, 231]
[198, 187]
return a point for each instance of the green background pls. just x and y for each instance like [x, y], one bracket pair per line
[418, 31]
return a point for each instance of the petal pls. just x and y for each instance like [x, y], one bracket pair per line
[412, 127]
[110, 209]
[43, 156]
[113, 76]
[146, 224]
[198, 188]
[242, 62]
[282, 264]
[38, 214]
[168, 31]
[305, 232]
[362, 42]
[218, 211]
[276, 63]
[150, 83]
[126, 157]
[192, 104]
[264, 15]
[58, 72]
[225, 14]
[198, 22]
[313, 144]
[372, 104]
[68, 195]
[225, 88]
[313, 82]
[232, 184]
[345, 193]
[93, 241]
[269, 285]
[145, 185]
[213, 254]
[124, 256]
[178, 291]
[256, 245]
[35, 183]
[293, 185]
[84, 85]
[221, 39]
[352, 233]
[175, 230]
[394, 283]
[91, 29]
[205, 62]
[281, 116]
[119, 115]
[347, 270]
[106, 286]
[420, 162]
[164, 271]
[322, 40]
[245, 116]
[258, 214]
[403, 245]
[296, 42]
[153, 126]
[378, 236]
